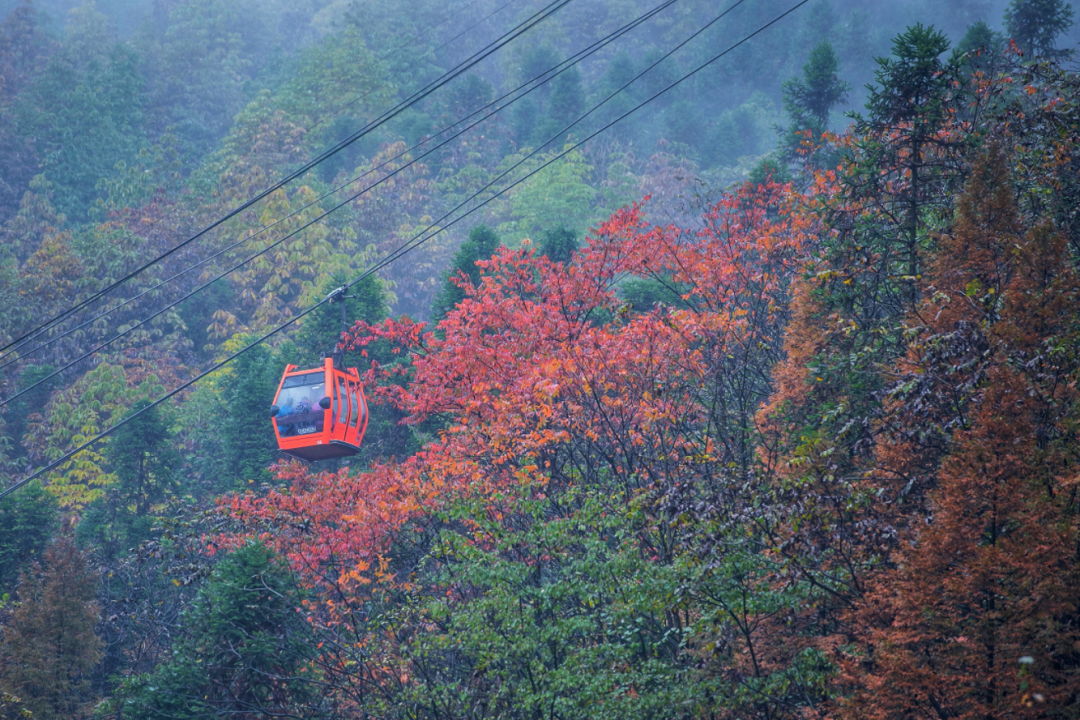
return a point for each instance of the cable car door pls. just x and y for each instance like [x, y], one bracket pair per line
[343, 410]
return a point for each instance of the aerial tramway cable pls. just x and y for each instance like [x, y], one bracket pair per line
[539, 80]
[416, 97]
[418, 239]
[535, 82]
[405, 248]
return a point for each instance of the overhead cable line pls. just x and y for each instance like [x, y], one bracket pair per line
[535, 82]
[405, 248]
[416, 97]
[19, 356]
[418, 240]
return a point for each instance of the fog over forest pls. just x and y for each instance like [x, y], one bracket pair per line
[539, 359]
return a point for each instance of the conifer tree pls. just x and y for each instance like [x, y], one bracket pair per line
[142, 457]
[1034, 25]
[248, 446]
[321, 330]
[910, 103]
[49, 646]
[481, 244]
[978, 48]
[989, 581]
[28, 519]
[473, 93]
[564, 105]
[21, 410]
[242, 652]
[809, 99]
[558, 244]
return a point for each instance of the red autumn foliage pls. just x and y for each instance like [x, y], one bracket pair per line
[542, 370]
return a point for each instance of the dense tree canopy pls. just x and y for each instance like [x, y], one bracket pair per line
[737, 410]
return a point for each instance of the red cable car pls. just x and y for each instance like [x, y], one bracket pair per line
[320, 413]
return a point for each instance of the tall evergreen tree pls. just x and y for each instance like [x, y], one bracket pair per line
[977, 49]
[20, 412]
[28, 519]
[471, 94]
[808, 100]
[243, 649]
[481, 244]
[321, 330]
[559, 244]
[49, 646]
[145, 463]
[1035, 24]
[909, 104]
[620, 71]
[230, 426]
[990, 577]
[564, 105]
[248, 446]
[528, 113]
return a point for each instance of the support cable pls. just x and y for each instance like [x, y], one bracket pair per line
[419, 95]
[407, 247]
[540, 79]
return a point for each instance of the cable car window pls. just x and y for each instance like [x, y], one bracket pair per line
[298, 402]
[343, 402]
[354, 396]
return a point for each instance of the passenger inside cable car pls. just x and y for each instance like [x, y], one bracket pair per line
[298, 405]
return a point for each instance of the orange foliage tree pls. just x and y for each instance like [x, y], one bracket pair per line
[922, 420]
[543, 377]
[978, 620]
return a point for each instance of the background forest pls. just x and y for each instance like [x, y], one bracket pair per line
[750, 396]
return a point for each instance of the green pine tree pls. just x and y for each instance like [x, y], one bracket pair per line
[321, 330]
[907, 107]
[144, 461]
[559, 244]
[243, 649]
[19, 412]
[809, 99]
[28, 518]
[1035, 24]
[977, 49]
[481, 245]
[229, 425]
[471, 94]
[248, 445]
[564, 105]
[621, 70]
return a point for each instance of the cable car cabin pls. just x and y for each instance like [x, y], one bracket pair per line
[320, 413]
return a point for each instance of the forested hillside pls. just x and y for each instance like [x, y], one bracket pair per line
[722, 360]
